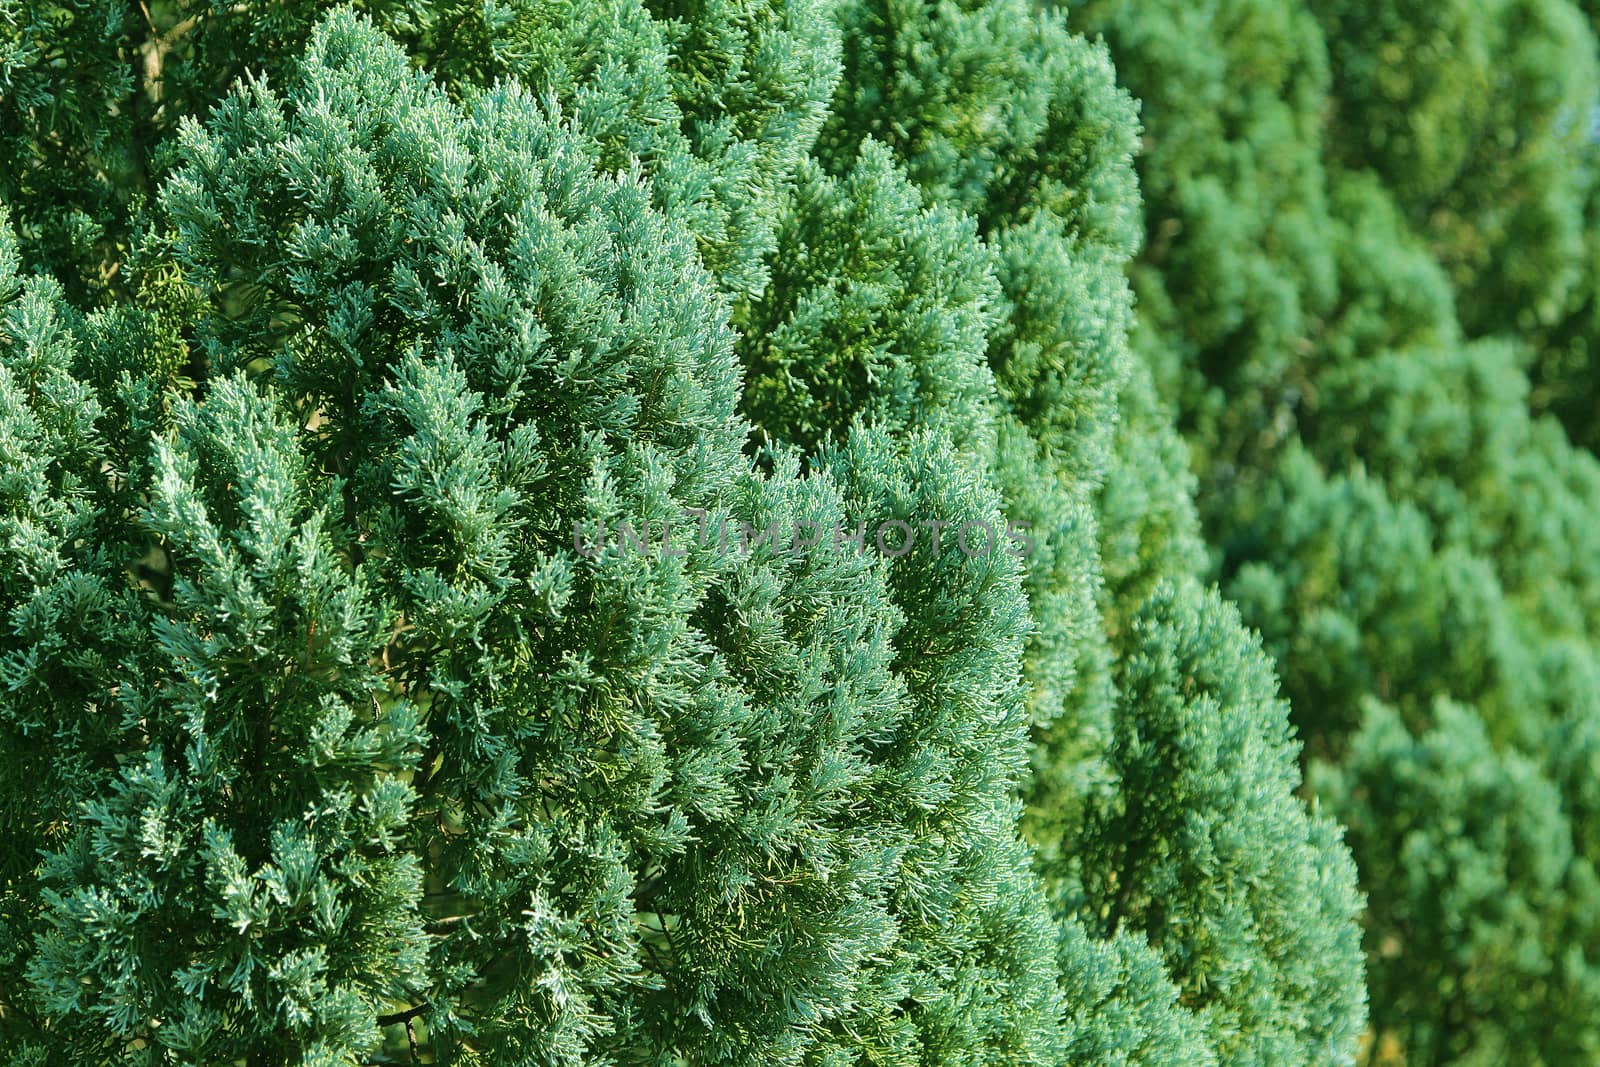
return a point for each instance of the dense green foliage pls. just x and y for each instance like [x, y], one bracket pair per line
[1366, 286]
[446, 452]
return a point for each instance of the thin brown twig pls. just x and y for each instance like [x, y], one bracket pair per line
[404, 1016]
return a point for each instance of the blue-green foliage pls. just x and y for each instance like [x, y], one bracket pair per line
[248, 856]
[914, 76]
[421, 755]
[878, 309]
[408, 651]
[1204, 849]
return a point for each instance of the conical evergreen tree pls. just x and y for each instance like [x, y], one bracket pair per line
[413, 749]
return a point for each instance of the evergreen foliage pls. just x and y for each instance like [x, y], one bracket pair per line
[1059, 360]
[411, 644]
[416, 747]
[1365, 282]
[1204, 849]
[1481, 904]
